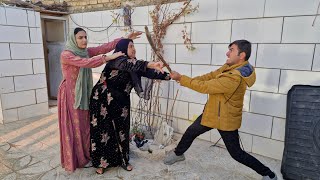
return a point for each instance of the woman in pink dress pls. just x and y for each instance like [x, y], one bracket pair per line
[74, 94]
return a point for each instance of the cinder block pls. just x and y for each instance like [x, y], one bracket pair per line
[262, 146]
[10, 115]
[246, 141]
[38, 19]
[199, 70]
[267, 80]
[184, 69]
[201, 55]
[14, 34]
[27, 51]
[278, 129]
[34, 19]
[177, 109]
[183, 125]
[92, 19]
[219, 52]
[33, 110]
[3, 16]
[4, 51]
[268, 104]
[39, 66]
[185, 94]
[195, 110]
[290, 78]
[165, 90]
[214, 32]
[35, 35]
[143, 38]
[172, 8]
[234, 9]
[31, 18]
[30, 82]
[42, 95]
[169, 53]
[316, 60]
[207, 11]
[107, 18]
[98, 37]
[246, 101]
[140, 16]
[256, 124]
[290, 7]
[174, 33]
[285, 56]
[301, 25]
[76, 20]
[6, 85]
[13, 100]
[16, 16]
[266, 30]
[15, 67]
[162, 107]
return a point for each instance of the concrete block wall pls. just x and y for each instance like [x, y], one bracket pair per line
[23, 86]
[285, 52]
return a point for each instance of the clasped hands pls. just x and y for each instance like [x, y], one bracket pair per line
[159, 65]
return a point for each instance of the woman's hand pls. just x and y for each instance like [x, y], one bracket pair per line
[134, 35]
[156, 65]
[113, 56]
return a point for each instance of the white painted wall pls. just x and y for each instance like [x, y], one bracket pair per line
[23, 87]
[285, 51]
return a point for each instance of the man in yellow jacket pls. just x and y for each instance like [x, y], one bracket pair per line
[226, 88]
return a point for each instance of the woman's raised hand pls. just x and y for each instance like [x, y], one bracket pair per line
[156, 65]
[113, 56]
[134, 35]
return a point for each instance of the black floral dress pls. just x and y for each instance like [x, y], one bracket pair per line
[110, 111]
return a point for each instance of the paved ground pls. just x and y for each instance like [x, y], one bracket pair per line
[29, 149]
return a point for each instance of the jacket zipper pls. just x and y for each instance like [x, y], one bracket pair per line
[219, 113]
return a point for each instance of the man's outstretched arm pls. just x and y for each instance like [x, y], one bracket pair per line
[224, 84]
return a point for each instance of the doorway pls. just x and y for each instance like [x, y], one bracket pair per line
[54, 33]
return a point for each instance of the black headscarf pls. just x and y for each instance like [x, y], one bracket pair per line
[142, 91]
[122, 46]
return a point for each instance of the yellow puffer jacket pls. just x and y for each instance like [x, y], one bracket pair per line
[226, 88]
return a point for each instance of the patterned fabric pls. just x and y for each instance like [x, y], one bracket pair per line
[110, 111]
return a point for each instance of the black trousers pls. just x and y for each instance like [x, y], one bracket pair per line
[230, 139]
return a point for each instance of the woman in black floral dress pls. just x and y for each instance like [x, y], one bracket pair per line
[110, 106]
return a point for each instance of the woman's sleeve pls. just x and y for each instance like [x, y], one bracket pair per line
[67, 57]
[154, 74]
[124, 64]
[103, 49]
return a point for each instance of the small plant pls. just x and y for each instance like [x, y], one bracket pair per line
[137, 133]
